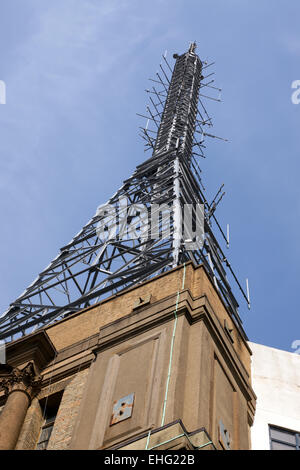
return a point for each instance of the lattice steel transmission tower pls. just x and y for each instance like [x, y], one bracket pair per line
[118, 248]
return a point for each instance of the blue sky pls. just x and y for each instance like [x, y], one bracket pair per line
[76, 71]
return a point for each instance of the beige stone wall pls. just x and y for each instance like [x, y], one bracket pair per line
[31, 428]
[210, 375]
[67, 413]
[66, 417]
[89, 321]
[200, 284]
[207, 385]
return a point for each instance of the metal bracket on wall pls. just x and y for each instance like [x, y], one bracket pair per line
[224, 436]
[141, 301]
[122, 409]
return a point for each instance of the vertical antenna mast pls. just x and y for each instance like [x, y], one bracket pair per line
[99, 261]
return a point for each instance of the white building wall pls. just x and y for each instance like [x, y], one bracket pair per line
[276, 382]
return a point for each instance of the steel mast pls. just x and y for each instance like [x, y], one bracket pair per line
[118, 248]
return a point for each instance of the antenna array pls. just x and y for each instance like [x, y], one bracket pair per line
[93, 266]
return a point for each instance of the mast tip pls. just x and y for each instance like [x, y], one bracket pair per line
[193, 46]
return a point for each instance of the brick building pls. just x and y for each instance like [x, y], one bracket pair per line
[161, 365]
[164, 361]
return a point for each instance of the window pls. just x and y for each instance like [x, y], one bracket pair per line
[49, 407]
[284, 439]
[46, 433]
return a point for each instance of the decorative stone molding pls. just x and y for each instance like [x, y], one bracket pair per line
[36, 348]
[26, 380]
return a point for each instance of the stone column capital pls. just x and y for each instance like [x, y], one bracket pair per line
[25, 380]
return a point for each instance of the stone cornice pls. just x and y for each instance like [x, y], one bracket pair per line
[195, 310]
[36, 347]
[148, 281]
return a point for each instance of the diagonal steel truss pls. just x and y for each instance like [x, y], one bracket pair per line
[92, 267]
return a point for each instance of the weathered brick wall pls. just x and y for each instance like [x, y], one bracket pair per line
[53, 388]
[67, 413]
[31, 428]
[65, 420]
[82, 325]
[78, 327]
[86, 323]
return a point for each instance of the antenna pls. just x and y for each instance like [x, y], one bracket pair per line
[215, 202]
[248, 294]
[91, 267]
[227, 235]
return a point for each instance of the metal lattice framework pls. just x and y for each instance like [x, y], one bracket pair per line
[91, 268]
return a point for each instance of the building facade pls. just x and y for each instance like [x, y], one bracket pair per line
[162, 365]
[276, 381]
